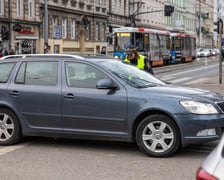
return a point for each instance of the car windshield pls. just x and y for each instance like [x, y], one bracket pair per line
[131, 75]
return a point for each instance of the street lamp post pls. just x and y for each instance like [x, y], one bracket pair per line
[10, 24]
[199, 39]
[45, 25]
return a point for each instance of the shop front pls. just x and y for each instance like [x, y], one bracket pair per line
[26, 39]
[26, 45]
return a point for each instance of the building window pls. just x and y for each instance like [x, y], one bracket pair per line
[1, 7]
[73, 29]
[31, 8]
[88, 32]
[103, 4]
[103, 37]
[97, 32]
[98, 2]
[55, 21]
[19, 7]
[64, 28]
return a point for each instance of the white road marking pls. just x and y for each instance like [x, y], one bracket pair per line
[192, 70]
[6, 149]
[197, 81]
[178, 80]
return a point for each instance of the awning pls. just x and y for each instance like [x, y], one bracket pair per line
[27, 37]
[116, 25]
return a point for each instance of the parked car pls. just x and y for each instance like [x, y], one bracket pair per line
[203, 53]
[213, 52]
[212, 167]
[99, 97]
[217, 51]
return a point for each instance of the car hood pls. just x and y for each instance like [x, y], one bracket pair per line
[185, 92]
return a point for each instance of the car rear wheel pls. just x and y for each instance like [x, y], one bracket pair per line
[158, 136]
[10, 132]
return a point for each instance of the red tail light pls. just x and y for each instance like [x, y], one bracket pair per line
[203, 175]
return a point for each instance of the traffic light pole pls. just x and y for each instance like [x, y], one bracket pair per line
[45, 25]
[220, 32]
[168, 10]
[220, 58]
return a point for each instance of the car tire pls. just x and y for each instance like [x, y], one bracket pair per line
[158, 136]
[10, 132]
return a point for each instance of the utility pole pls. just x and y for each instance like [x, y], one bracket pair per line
[168, 10]
[199, 16]
[220, 32]
[45, 25]
[10, 24]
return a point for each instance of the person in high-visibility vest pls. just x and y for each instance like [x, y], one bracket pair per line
[142, 62]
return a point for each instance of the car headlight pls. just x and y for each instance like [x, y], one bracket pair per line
[198, 107]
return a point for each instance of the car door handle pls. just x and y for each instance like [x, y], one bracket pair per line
[14, 93]
[69, 96]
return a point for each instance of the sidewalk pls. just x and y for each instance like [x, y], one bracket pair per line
[211, 84]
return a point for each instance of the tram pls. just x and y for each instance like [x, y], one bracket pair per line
[150, 42]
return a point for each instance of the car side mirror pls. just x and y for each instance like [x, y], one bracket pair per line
[106, 84]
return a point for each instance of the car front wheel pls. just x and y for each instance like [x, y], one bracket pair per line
[9, 128]
[158, 136]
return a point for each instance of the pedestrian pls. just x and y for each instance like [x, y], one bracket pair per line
[103, 50]
[1, 51]
[5, 52]
[222, 53]
[140, 61]
[12, 51]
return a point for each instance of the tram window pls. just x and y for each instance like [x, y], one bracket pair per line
[122, 40]
[146, 42]
[168, 43]
[178, 44]
[139, 41]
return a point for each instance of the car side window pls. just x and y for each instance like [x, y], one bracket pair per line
[38, 73]
[82, 75]
[5, 71]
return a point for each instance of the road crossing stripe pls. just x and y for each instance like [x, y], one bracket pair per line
[198, 81]
[7, 149]
[179, 80]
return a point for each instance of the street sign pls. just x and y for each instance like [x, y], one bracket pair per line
[57, 32]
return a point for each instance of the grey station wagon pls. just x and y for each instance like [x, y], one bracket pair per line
[103, 98]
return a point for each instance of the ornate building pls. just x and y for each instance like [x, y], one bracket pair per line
[205, 19]
[20, 24]
[74, 26]
[86, 26]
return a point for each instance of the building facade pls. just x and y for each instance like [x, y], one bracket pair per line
[20, 24]
[118, 16]
[75, 26]
[86, 26]
[205, 32]
[152, 14]
[184, 18]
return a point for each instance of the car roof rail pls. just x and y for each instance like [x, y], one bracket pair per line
[40, 55]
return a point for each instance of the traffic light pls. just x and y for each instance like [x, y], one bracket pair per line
[168, 10]
[219, 28]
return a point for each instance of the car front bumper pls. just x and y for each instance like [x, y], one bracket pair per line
[192, 124]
